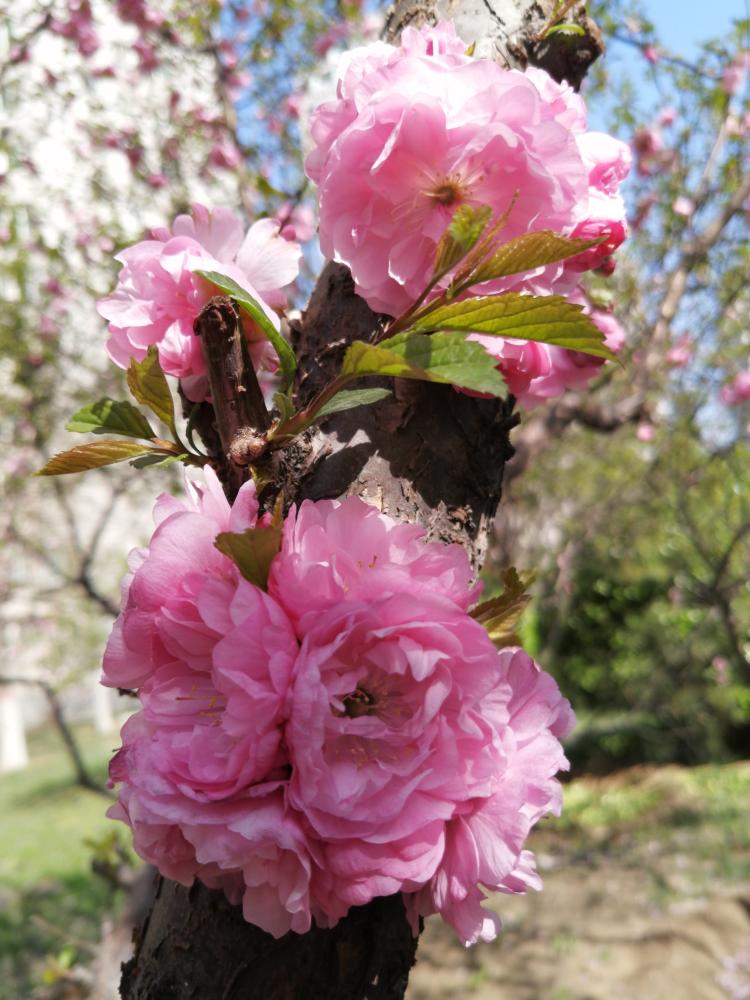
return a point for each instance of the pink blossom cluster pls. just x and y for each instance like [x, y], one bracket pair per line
[350, 732]
[158, 295]
[735, 73]
[78, 28]
[652, 156]
[737, 391]
[418, 130]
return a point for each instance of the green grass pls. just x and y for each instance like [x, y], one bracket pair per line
[51, 904]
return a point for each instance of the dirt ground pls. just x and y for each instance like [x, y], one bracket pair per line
[647, 897]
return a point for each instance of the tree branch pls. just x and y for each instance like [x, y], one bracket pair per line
[83, 777]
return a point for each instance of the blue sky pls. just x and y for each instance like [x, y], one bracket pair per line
[682, 23]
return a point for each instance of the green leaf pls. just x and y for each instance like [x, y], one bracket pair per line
[249, 305]
[527, 252]
[158, 461]
[466, 226]
[442, 357]
[565, 29]
[285, 406]
[500, 615]
[252, 550]
[549, 319]
[111, 416]
[93, 456]
[149, 387]
[347, 399]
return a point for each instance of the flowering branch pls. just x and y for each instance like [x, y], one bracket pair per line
[241, 415]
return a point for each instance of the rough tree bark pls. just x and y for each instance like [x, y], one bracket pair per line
[427, 455]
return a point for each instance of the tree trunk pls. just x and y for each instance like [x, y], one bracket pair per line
[14, 755]
[428, 455]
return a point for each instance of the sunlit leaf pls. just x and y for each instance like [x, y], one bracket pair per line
[93, 456]
[149, 386]
[466, 226]
[442, 357]
[501, 615]
[549, 319]
[347, 399]
[252, 550]
[527, 252]
[111, 416]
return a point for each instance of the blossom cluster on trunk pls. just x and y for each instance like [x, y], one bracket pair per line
[350, 733]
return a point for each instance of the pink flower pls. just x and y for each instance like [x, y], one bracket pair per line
[158, 296]
[79, 27]
[200, 763]
[332, 36]
[162, 617]
[148, 58]
[645, 432]
[737, 391]
[720, 667]
[225, 154]
[650, 152]
[293, 105]
[735, 73]
[651, 54]
[157, 180]
[251, 846]
[667, 116]
[139, 13]
[349, 734]
[336, 550]
[484, 840]
[386, 737]
[682, 205]
[297, 221]
[680, 353]
[420, 129]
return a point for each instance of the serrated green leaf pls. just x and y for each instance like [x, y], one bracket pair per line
[443, 357]
[529, 251]
[549, 319]
[113, 417]
[500, 615]
[466, 226]
[158, 461]
[150, 388]
[252, 550]
[249, 305]
[93, 456]
[347, 399]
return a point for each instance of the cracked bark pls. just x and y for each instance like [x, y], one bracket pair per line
[427, 455]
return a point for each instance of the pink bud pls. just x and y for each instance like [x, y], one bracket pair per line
[735, 73]
[683, 205]
[645, 432]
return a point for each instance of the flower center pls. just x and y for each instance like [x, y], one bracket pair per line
[359, 702]
[447, 192]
